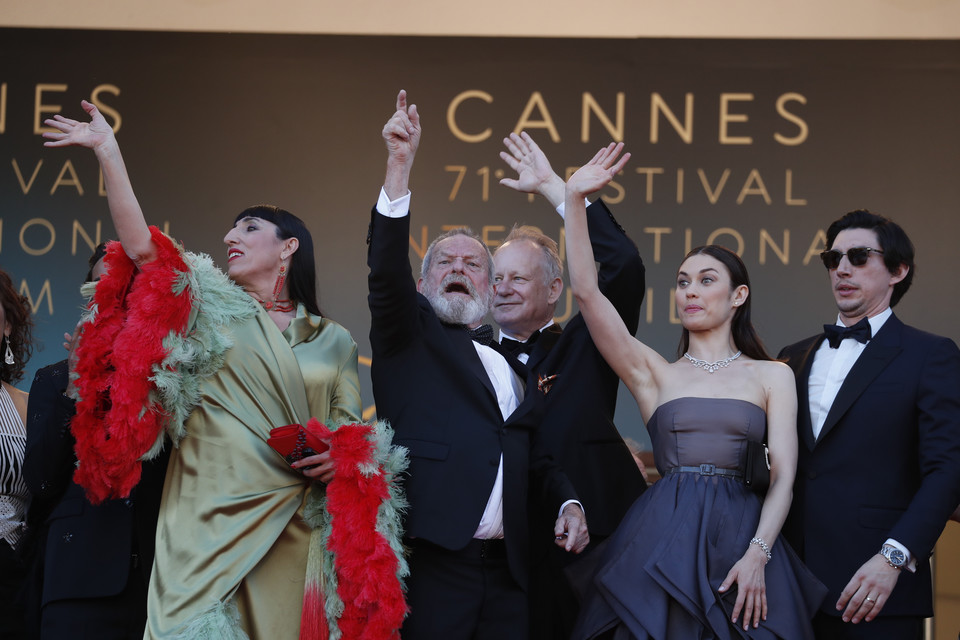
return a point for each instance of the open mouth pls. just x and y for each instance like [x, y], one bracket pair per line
[233, 253]
[456, 287]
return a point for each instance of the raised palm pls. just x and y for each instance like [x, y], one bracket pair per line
[68, 132]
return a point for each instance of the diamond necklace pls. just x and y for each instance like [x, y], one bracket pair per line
[710, 367]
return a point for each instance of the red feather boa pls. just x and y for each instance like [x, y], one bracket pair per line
[116, 422]
[366, 566]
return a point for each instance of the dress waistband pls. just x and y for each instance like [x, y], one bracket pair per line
[707, 470]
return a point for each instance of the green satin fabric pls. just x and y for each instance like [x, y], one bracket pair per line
[230, 517]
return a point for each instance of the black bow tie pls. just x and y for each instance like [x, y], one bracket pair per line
[516, 347]
[835, 333]
[482, 334]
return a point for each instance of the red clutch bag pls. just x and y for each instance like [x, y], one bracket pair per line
[294, 442]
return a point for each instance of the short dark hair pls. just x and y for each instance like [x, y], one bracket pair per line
[745, 336]
[302, 280]
[16, 309]
[894, 242]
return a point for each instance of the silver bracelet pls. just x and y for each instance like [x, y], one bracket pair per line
[760, 542]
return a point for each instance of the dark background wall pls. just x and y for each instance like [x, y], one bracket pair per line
[772, 140]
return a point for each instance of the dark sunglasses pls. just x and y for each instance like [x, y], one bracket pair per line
[856, 255]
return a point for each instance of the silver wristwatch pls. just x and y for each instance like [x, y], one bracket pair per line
[895, 558]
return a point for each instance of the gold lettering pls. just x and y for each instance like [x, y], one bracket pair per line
[487, 229]
[818, 244]
[713, 195]
[536, 102]
[45, 291]
[782, 252]
[43, 223]
[749, 190]
[649, 172]
[801, 136]
[91, 243]
[687, 240]
[789, 191]
[591, 105]
[74, 181]
[648, 301]
[107, 111]
[452, 115]
[25, 186]
[726, 117]
[727, 231]
[40, 108]
[658, 105]
[658, 233]
[621, 193]
[679, 186]
[420, 249]
[461, 171]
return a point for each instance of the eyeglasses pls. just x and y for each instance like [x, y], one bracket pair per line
[856, 255]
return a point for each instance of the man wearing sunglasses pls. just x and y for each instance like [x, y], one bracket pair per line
[878, 473]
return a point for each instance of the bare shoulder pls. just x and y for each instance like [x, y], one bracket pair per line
[19, 399]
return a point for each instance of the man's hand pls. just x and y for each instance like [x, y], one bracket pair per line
[571, 529]
[868, 590]
[534, 173]
[402, 136]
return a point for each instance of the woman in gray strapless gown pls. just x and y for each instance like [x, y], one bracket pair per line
[697, 556]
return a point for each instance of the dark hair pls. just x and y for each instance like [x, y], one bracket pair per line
[16, 310]
[98, 252]
[894, 242]
[302, 280]
[745, 337]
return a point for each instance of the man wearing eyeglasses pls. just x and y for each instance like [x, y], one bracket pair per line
[878, 472]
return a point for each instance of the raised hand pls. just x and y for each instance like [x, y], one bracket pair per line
[534, 173]
[93, 135]
[402, 136]
[402, 131]
[597, 173]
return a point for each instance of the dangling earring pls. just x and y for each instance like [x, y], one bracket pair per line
[281, 279]
[8, 357]
[284, 306]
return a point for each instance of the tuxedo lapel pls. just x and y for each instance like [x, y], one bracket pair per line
[803, 394]
[877, 355]
[544, 345]
[467, 354]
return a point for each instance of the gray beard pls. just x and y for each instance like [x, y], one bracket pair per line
[458, 311]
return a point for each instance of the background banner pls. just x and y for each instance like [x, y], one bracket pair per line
[754, 144]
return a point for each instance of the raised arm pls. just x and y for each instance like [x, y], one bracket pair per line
[629, 358]
[124, 209]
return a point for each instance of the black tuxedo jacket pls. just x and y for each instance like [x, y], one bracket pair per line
[87, 550]
[578, 428]
[429, 382]
[886, 463]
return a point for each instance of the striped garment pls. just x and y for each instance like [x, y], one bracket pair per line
[14, 495]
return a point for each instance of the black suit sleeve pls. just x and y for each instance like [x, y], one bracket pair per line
[938, 432]
[393, 294]
[621, 275]
[49, 461]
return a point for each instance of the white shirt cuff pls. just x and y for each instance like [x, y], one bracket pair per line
[911, 565]
[393, 208]
[576, 502]
[563, 207]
